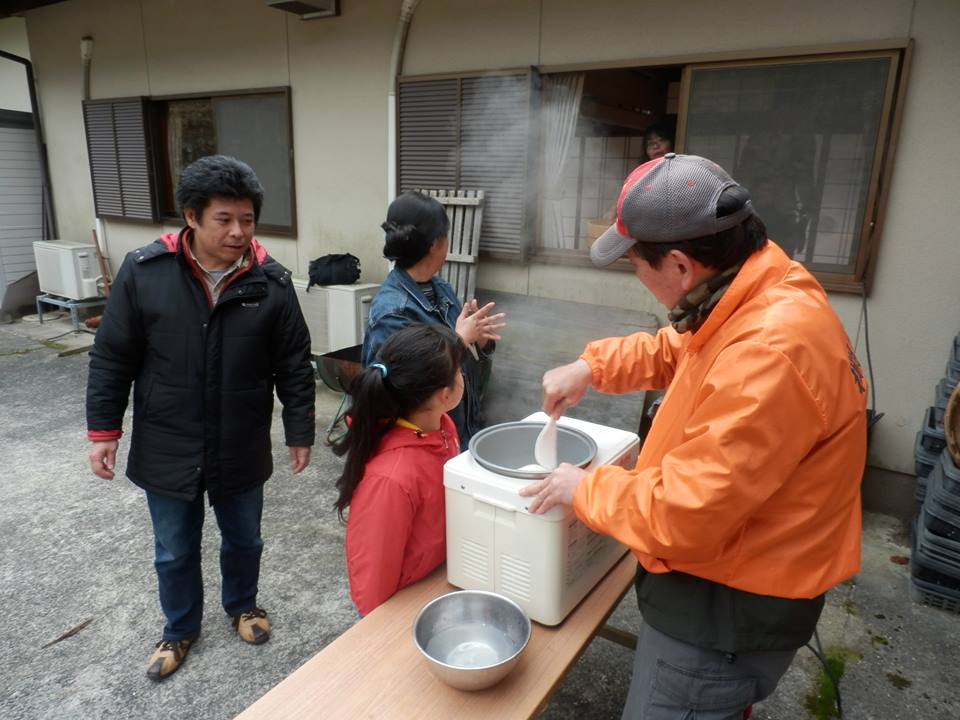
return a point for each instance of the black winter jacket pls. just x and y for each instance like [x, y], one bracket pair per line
[203, 378]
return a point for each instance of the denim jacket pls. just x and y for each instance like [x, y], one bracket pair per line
[398, 303]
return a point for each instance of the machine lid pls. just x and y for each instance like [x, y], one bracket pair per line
[507, 448]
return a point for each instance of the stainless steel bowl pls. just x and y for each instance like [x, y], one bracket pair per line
[471, 638]
[507, 448]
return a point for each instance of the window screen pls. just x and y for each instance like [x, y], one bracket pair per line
[256, 129]
[802, 137]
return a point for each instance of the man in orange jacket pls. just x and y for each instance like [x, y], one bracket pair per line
[744, 506]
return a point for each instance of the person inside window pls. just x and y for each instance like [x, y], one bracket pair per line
[657, 142]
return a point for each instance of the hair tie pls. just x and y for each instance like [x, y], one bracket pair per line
[382, 368]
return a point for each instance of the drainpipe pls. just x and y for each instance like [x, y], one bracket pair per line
[49, 219]
[396, 68]
[86, 57]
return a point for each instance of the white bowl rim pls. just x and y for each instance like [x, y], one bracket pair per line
[434, 660]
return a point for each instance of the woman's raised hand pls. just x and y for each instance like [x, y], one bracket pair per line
[476, 325]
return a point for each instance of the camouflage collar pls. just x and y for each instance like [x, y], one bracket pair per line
[694, 308]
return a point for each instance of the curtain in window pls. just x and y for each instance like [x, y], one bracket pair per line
[560, 108]
[175, 145]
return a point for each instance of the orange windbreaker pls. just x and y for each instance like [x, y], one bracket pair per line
[750, 475]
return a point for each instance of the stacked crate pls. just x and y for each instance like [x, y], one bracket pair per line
[935, 567]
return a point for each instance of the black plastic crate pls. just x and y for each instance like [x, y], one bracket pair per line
[939, 553]
[949, 474]
[923, 460]
[937, 495]
[950, 382]
[933, 438]
[952, 373]
[932, 583]
[935, 479]
[942, 394]
[941, 521]
[934, 595]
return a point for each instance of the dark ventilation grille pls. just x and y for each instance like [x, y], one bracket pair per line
[120, 161]
[471, 133]
[428, 134]
[493, 154]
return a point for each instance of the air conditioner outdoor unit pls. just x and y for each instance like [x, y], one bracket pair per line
[308, 9]
[336, 315]
[67, 270]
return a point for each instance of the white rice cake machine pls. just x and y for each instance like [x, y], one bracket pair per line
[545, 563]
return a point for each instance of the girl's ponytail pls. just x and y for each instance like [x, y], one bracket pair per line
[373, 411]
[412, 365]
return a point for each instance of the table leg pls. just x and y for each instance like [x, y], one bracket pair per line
[40, 310]
[618, 636]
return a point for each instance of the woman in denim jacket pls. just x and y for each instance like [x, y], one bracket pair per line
[416, 240]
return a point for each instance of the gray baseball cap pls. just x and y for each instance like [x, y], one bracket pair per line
[666, 200]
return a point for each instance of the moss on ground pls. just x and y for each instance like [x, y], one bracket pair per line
[898, 681]
[822, 704]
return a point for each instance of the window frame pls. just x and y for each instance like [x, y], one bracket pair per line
[899, 49]
[860, 280]
[156, 176]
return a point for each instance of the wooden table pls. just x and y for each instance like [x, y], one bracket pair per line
[374, 670]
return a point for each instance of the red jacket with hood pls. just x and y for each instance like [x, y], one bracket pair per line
[396, 531]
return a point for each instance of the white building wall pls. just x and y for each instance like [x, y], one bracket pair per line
[338, 70]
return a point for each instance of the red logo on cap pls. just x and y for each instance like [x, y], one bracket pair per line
[633, 179]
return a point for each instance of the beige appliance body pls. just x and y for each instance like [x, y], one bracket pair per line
[545, 563]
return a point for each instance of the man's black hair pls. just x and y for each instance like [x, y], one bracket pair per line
[218, 176]
[721, 251]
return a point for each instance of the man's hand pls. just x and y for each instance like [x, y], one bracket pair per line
[103, 456]
[299, 458]
[476, 324]
[557, 488]
[563, 387]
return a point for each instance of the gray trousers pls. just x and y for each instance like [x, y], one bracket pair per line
[673, 680]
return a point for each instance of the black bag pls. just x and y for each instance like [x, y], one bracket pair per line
[337, 269]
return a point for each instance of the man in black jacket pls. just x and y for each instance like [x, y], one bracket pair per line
[205, 325]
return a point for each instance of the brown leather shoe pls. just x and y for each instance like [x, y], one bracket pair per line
[167, 658]
[253, 626]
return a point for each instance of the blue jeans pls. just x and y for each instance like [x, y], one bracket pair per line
[177, 531]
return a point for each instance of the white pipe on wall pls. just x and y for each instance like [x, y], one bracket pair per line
[407, 9]
[86, 57]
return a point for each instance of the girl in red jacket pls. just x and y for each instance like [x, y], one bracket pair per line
[399, 438]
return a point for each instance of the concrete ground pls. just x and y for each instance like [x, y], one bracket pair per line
[76, 549]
